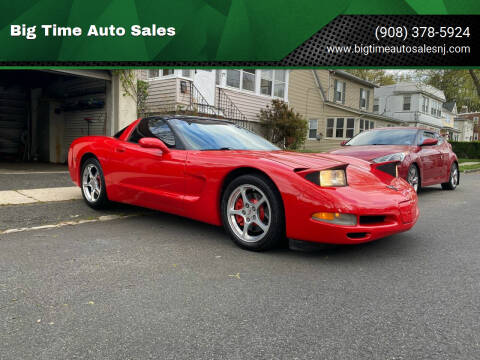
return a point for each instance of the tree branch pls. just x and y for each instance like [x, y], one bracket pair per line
[476, 81]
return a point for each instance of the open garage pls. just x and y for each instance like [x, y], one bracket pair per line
[43, 111]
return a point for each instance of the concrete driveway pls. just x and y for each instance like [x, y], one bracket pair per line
[148, 285]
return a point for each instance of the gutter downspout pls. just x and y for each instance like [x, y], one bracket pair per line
[319, 85]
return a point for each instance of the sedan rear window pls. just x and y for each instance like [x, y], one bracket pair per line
[385, 137]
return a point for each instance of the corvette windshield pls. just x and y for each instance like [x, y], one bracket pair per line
[385, 137]
[215, 135]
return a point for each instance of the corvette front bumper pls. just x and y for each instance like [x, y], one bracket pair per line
[378, 216]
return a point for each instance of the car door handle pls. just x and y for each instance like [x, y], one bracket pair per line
[120, 149]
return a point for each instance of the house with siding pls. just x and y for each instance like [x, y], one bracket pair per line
[336, 104]
[234, 94]
[417, 104]
[448, 115]
[468, 123]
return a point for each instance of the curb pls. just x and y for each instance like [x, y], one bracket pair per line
[470, 171]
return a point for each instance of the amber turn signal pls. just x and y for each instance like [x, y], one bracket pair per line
[336, 218]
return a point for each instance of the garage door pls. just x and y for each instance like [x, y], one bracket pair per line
[84, 109]
[13, 120]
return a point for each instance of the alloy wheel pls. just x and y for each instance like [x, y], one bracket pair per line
[412, 177]
[249, 213]
[454, 176]
[91, 183]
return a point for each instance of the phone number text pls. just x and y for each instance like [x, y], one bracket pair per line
[402, 32]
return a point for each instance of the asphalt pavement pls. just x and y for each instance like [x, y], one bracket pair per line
[157, 286]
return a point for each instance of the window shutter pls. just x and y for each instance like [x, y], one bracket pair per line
[344, 92]
[335, 83]
[368, 100]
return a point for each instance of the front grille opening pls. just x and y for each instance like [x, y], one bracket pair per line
[371, 219]
[357, 235]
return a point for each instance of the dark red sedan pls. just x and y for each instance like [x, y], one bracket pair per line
[425, 157]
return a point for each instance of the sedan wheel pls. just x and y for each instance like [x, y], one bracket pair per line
[454, 178]
[93, 184]
[252, 212]
[413, 177]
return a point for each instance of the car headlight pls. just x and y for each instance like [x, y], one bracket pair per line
[392, 157]
[327, 178]
[332, 178]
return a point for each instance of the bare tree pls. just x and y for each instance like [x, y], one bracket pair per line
[476, 81]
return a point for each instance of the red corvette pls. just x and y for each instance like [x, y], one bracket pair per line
[216, 172]
[424, 157]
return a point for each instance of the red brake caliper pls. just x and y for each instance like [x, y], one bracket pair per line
[238, 206]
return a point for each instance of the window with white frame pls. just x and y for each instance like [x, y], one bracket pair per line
[339, 91]
[330, 127]
[233, 78]
[273, 83]
[350, 130]
[365, 125]
[248, 80]
[425, 104]
[279, 85]
[312, 129]
[241, 79]
[156, 73]
[436, 108]
[340, 128]
[153, 73]
[364, 98]
[266, 82]
[407, 99]
[376, 105]
[186, 73]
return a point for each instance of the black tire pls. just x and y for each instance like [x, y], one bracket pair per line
[411, 169]
[453, 179]
[257, 186]
[97, 201]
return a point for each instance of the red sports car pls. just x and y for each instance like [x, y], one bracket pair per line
[424, 157]
[219, 173]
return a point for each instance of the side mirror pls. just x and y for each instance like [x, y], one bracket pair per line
[429, 142]
[344, 142]
[153, 143]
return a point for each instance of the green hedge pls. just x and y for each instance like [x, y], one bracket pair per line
[466, 150]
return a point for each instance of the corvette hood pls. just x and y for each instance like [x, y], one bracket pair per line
[370, 152]
[302, 160]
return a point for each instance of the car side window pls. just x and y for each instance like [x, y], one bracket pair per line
[153, 128]
[440, 139]
[425, 135]
[160, 129]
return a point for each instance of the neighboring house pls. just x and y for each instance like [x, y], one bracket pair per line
[238, 95]
[448, 114]
[415, 103]
[468, 123]
[43, 111]
[336, 104]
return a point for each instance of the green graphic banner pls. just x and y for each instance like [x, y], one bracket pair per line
[181, 30]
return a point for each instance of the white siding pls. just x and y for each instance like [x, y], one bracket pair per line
[162, 95]
[249, 104]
